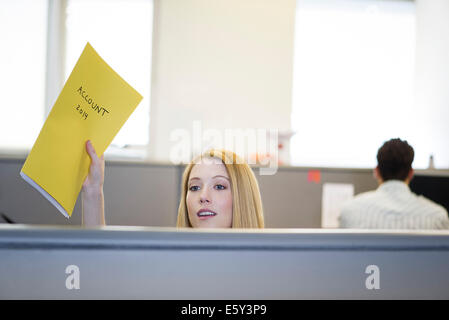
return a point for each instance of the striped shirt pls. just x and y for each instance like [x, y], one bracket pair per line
[393, 206]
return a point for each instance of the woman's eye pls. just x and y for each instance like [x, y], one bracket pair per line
[220, 187]
[194, 188]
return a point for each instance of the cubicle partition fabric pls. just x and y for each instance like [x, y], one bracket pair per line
[144, 194]
[165, 263]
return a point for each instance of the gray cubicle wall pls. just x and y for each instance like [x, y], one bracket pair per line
[135, 194]
[160, 263]
[144, 194]
[290, 200]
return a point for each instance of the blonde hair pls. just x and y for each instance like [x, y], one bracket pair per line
[247, 209]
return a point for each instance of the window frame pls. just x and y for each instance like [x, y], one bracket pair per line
[54, 81]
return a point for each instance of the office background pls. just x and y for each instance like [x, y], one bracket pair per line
[344, 75]
[231, 65]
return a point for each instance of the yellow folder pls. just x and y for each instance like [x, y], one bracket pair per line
[93, 105]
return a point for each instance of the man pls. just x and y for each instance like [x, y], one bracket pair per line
[393, 205]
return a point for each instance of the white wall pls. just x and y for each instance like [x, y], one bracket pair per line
[227, 63]
[432, 79]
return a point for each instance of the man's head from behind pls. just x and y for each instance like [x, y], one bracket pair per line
[394, 161]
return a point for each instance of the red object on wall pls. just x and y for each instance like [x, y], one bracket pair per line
[314, 176]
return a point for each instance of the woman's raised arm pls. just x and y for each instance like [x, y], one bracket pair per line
[92, 193]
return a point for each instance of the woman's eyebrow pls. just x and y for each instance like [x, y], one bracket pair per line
[219, 176]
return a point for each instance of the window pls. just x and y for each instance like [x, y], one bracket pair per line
[22, 76]
[120, 31]
[353, 80]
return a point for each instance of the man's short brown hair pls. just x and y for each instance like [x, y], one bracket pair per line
[394, 160]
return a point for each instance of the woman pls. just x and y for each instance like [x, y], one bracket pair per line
[219, 190]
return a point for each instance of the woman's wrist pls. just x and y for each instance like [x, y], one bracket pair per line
[92, 191]
[93, 206]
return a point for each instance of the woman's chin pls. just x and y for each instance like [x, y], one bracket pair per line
[210, 223]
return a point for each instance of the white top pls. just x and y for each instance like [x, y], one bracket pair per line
[393, 206]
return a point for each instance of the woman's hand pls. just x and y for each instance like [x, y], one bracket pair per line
[95, 179]
[92, 193]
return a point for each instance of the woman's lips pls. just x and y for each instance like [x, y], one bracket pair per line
[204, 214]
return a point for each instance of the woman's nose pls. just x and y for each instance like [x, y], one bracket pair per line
[204, 196]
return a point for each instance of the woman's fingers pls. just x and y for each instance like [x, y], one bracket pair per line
[96, 170]
[92, 195]
[91, 151]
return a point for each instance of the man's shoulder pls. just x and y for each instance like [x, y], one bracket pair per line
[363, 197]
[431, 206]
[359, 202]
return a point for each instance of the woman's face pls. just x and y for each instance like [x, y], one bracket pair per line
[209, 196]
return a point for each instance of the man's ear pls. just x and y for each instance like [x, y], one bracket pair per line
[377, 176]
[410, 175]
[376, 173]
